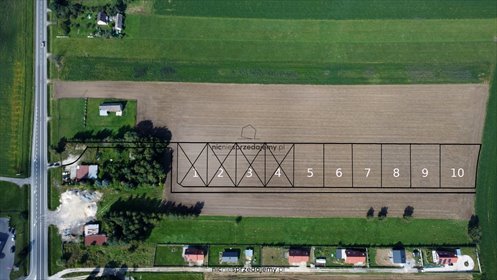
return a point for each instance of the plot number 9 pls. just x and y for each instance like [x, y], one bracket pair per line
[424, 172]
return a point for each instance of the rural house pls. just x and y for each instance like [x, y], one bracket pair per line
[82, 172]
[102, 18]
[118, 23]
[91, 229]
[96, 239]
[354, 256]
[230, 256]
[194, 254]
[298, 256]
[399, 256]
[445, 256]
[115, 107]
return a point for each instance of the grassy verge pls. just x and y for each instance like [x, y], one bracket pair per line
[169, 256]
[309, 231]
[167, 276]
[486, 205]
[338, 9]
[54, 251]
[54, 180]
[16, 86]
[14, 203]
[247, 50]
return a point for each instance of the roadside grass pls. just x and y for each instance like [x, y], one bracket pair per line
[71, 116]
[310, 231]
[486, 205]
[14, 203]
[54, 181]
[169, 255]
[245, 50]
[54, 251]
[16, 86]
[338, 9]
[167, 276]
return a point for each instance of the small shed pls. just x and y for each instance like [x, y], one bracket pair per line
[118, 22]
[91, 229]
[249, 253]
[114, 107]
[102, 18]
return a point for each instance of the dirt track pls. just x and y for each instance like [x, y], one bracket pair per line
[293, 113]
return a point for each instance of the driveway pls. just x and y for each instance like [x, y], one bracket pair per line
[6, 256]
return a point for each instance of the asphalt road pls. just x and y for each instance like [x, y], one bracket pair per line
[39, 232]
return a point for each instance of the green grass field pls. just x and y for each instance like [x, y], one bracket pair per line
[309, 231]
[169, 256]
[69, 117]
[16, 86]
[486, 205]
[54, 251]
[334, 9]
[14, 203]
[167, 276]
[195, 45]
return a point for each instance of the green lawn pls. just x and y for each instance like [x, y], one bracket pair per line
[332, 9]
[16, 86]
[69, 117]
[309, 231]
[329, 252]
[169, 256]
[243, 49]
[54, 251]
[167, 276]
[54, 183]
[14, 203]
[274, 256]
[486, 205]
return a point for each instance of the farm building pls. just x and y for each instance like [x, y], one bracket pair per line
[298, 256]
[81, 172]
[445, 256]
[194, 254]
[96, 239]
[230, 256]
[118, 22]
[91, 229]
[102, 18]
[249, 253]
[106, 108]
[353, 256]
[399, 255]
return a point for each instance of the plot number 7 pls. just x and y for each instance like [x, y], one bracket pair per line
[367, 169]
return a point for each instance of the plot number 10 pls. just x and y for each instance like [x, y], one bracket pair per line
[457, 172]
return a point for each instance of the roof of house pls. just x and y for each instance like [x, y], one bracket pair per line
[399, 255]
[355, 252]
[194, 254]
[97, 239]
[91, 229]
[299, 252]
[86, 172]
[340, 253]
[230, 256]
[298, 259]
[249, 253]
[356, 259]
[102, 16]
[446, 253]
[119, 21]
[111, 107]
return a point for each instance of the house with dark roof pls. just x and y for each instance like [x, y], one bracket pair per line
[102, 18]
[194, 254]
[230, 256]
[445, 256]
[298, 256]
[399, 256]
[96, 239]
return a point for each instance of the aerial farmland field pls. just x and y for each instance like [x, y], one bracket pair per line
[197, 41]
[16, 86]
